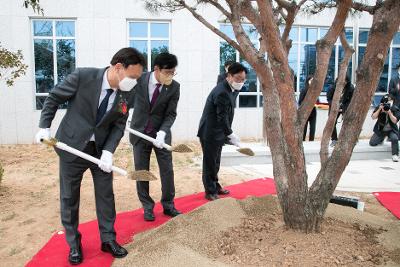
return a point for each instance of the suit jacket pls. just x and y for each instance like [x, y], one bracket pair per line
[81, 89]
[221, 77]
[216, 120]
[383, 118]
[163, 112]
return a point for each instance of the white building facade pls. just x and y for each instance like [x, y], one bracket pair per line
[87, 34]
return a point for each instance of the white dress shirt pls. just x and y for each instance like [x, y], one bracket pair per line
[104, 86]
[152, 85]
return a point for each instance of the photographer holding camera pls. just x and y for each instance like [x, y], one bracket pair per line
[388, 115]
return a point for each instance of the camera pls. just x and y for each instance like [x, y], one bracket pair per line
[385, 102]
[386, 106]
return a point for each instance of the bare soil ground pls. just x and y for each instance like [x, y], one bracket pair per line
[223, 233]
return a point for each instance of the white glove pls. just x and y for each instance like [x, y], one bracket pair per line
[106, 160]
[160, 139]
[44, 133]
[234, 139]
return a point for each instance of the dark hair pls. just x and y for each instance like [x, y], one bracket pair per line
[128, 56]
[236, 67]
[228, 63]
[166, 61]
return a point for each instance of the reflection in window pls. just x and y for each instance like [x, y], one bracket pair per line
[330, 75]
[308, 57]
[54, 54]
[247, 101]
[383, 80]
[148, 36]
[226, 53]
[363, 36]
[251, 78]
[309, 35]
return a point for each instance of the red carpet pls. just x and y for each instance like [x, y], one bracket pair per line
[390, 200]
[55, 252]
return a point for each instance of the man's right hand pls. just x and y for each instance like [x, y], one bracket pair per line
[43, 133]
[234, 139]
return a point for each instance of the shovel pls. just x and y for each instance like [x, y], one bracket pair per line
[141, 175]
[245, 150]
[181, 148]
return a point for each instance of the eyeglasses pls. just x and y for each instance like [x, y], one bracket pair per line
[169, 72]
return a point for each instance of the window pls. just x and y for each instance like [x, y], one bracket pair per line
[302, 59]
[150, 36]
[303, 55]
[389, 68]
[250, 95]
[54, 53]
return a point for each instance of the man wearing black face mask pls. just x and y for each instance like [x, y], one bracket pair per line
[388, 115]
[98, 102]
[215, 127]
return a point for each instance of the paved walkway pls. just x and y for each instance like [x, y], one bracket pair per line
[377, 174]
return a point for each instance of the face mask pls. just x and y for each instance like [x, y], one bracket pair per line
[237, 86]
[127, 84]
[165, 79]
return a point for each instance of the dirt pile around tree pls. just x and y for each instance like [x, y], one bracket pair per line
[251, 232]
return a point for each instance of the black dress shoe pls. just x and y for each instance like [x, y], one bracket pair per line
[211, 197]
[114, 249]
[75, 255]
[222, 191]
[172, 212]
[149, 215]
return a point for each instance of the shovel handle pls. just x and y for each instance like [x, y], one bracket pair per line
[146, 137]
[88, 157]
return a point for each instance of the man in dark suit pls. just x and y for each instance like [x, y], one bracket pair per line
[155, 101]
[94, 123]
[215, 127]
[222, 76]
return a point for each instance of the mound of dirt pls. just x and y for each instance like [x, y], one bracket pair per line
[250, 232]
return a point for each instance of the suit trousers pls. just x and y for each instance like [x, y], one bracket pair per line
[71, 174]
[313, 121]
[211, 164]
[394, 139]
[141, 153]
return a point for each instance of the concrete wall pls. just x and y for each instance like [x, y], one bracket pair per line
[101, 29]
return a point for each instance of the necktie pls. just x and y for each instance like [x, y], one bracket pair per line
[155, 95]
[149, 127]
[103, 106]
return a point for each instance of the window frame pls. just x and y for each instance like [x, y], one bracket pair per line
[54, 39]
[148, 38]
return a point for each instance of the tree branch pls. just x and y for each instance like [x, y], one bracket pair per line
[334, 107]
[211, 27]
[363, 7]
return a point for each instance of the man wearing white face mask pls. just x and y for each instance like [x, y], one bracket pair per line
[215, 127]
[155, 101]
[98, 102]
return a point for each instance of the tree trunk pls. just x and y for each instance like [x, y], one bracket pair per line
[385, 24]
[303, 208]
